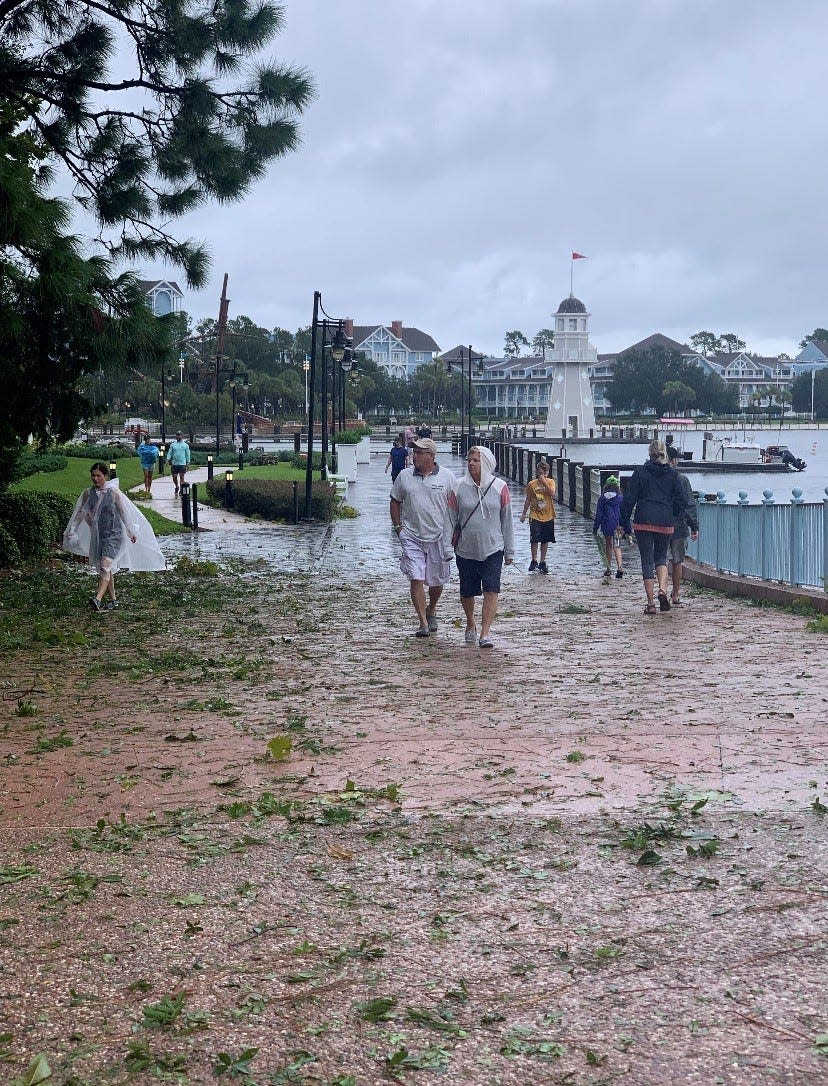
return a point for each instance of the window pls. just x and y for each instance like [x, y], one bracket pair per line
[573, 324]
[398, 358]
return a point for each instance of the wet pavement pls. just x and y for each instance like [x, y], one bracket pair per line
[364, 545]
[700, 699]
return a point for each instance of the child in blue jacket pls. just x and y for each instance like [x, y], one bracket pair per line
[606, 524]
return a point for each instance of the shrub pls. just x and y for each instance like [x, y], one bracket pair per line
[272, 499]
[350, 437]
[33, 521]
[31, 461]
[115, 451]
[299, 461]
[9, 551]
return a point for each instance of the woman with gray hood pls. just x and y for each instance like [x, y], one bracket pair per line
[480, 509]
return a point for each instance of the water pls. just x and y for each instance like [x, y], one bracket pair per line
[810, 445]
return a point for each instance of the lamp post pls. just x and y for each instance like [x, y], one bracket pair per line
[338, 347]
[813, 378]
[466, 392]
[165, 376]
[348, 365]
[317, 349]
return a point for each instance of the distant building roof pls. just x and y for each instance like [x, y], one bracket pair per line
[658, 339]
[572, 305]
[412, 338]
[149, 284]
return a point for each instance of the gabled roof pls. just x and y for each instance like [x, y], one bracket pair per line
[412, 338]
[658, 339]
[149, 284]
[821, 345]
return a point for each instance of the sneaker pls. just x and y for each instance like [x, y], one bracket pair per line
[95, 603]
[485, 643]
[109, 605]
[422, 632]
[542, 567]
[533, 565]
[607, 572]
[619, 573]
[471, 637]
[432, 622]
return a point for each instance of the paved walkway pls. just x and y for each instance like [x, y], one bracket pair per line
[168, 504]
[593, 854]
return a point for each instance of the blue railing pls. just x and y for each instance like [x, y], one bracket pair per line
[785, 543]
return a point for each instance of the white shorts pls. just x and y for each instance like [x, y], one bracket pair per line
[424, 561]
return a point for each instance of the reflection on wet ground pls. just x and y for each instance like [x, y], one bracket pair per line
[366, 545]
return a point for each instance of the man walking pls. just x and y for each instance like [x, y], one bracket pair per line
[419, 516]
[148, 454]
[178, 456]
[686, 524]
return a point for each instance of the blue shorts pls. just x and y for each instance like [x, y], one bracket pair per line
[479, 577]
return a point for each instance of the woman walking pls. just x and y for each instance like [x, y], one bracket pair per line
[106, 528]
[481, 515]
[656, 495]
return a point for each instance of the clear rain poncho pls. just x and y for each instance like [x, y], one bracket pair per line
[100, 529]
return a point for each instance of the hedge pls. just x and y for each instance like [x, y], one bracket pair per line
[272, 499]
[98, 452]
[33, 523]
[30, 462]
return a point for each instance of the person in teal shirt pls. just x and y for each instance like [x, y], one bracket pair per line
[148, 454]
[178, 457]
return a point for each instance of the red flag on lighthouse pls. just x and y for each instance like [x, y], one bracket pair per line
[578, 256]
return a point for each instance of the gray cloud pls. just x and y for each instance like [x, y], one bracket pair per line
[458, 151]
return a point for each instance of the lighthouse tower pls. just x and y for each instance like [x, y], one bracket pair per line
[571, 411]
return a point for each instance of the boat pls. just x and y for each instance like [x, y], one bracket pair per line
[732, 454]
[781, 454]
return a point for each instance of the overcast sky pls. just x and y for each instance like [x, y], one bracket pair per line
[458, 151]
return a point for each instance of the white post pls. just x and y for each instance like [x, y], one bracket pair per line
[813, 376]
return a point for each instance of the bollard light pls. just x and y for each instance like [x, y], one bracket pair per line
[113, 470]
[209, 465]
[228, 489]
[186, 513]
[228, 476]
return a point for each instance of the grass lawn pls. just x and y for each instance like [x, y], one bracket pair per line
[75, 477]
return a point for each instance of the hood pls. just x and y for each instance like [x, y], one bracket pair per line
[487, 465]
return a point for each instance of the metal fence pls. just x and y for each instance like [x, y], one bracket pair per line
[786, 543]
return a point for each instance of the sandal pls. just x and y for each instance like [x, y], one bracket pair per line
[663, 602]
[650, 609]
[675, 603]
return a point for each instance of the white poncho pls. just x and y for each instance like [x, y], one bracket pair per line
[101, 527]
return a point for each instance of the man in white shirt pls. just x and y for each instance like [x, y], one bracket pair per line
[419, 516]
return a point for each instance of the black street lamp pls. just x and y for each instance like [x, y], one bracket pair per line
[165, 376]
[470, 356]
[318, 344]
[349, 365]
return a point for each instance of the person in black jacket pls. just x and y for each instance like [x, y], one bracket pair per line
[686, 524]
[656, 495]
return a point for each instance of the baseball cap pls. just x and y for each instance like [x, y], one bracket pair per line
[179, 433]
[426, 444]
[673, 453]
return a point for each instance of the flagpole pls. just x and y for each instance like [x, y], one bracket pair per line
[571, 270]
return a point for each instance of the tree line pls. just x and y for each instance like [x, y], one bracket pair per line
[193, 115]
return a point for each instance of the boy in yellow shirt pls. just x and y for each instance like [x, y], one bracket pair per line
[540, 504]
